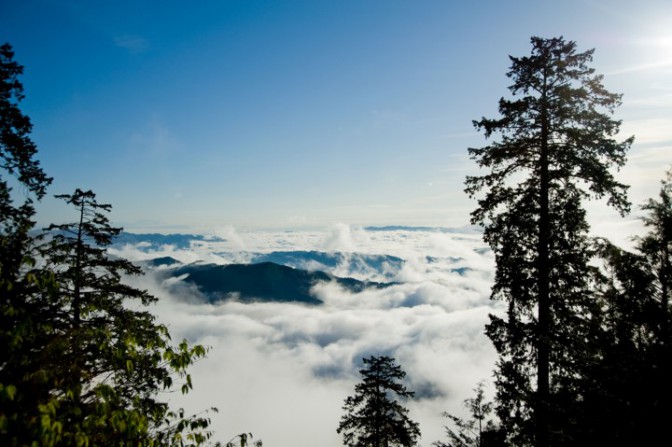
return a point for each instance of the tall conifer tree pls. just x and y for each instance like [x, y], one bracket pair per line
[78, 366]
[657, 246]
[556, 148]
[21, 332]
[108, 358]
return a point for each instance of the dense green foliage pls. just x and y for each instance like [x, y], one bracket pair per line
[373, 416]
[17, 150]
[556, 149]
[78, 364]
[21, 333]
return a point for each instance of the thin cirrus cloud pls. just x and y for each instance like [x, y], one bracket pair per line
[282, 371]
[642, 67]
[132, 43]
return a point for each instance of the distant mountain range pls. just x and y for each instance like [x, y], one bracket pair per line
[162, 261]
[469, 229]
[155, 241]
[279, 276]
[265, 281]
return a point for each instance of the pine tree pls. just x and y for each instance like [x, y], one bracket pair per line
[77, 367]
[17, 160]
[556, 149]
[657, 247]
[628, 383]
[21, 331]
[17, 150]
[373, 416]
[107, 359]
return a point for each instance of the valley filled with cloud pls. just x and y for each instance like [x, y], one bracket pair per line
[283, 370]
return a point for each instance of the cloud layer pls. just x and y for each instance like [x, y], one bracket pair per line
[282, 371]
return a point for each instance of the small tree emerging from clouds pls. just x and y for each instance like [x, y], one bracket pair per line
[373, 416]
[478, 431]
[242, 440]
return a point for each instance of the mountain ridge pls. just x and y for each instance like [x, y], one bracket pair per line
[262, 282]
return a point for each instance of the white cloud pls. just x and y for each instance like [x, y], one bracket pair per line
[282, 371]
[345, 238]
[231, 235]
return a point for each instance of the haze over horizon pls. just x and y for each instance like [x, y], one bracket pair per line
[306, 114]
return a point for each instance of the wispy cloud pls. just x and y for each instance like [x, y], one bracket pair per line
[641, 67]
[132, 43]
[154, 139]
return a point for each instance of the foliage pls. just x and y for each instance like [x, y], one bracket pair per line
[656, 246]
[556, 149]
[18, 165]
[479, 431]
[17, 150]
[79, 364]
[242, 440]
[107, 360]
[373, 416]
[628, 384]
[21, 332]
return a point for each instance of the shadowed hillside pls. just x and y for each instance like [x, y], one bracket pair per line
[265, 281]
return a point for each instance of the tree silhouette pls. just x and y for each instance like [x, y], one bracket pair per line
[627, 385]
[82, 361]
[656, 246]
[242, 440]
[373, 416]
[18, 160]
[556, 149]
[17, 150]
[478, 431]
[22, 332]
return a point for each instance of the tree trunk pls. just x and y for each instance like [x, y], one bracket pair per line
[76, 300]
[543, 380]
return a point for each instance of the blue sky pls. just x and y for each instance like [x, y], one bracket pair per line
[196, 115]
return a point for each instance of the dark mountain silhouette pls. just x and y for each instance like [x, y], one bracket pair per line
[165, 260]
[266, 281]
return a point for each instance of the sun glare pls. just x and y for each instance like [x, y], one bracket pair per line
[662, 46]
[655, 39]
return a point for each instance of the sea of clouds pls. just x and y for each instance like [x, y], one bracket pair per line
[282, 371]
